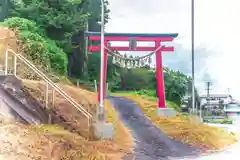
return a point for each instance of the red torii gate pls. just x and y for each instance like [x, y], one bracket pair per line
[133, 39]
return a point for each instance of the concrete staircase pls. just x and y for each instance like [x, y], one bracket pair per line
[17, 105]
[11, 86]
[27, 109]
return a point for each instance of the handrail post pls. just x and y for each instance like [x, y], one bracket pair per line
[6, 62]
[15, 65]
[78, 83]
[1, 102]
[53, 97]
[46, 95]
[95, 86]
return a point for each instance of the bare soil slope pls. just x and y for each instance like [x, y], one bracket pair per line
[20, 141]
[44, 142]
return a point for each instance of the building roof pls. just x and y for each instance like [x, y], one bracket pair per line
[232, 110]
[215, 103]
[216, 96]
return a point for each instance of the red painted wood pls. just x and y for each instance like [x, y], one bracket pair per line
[159, 66]
[174, 35]
[98, 38]
[97, 48]
[160, 78]
[105, 57]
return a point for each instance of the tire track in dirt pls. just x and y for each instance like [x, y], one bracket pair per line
[151, 143]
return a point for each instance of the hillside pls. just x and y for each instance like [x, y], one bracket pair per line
[46, 140]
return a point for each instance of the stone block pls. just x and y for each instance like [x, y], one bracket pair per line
[104, 130]
[166, 112]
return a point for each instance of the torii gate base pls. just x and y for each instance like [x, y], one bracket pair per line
[133, 39]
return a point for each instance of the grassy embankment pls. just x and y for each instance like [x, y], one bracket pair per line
[181, 127]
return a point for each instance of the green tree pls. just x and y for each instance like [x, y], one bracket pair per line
[37, 47]
[138, 78]
[65, 22]
[61, 18]
[176, 85]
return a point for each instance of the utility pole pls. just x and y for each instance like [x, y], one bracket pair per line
[208, 84]
[208, 88]
[228, 91]
[102, 89]
[193, 54]
[208, 91]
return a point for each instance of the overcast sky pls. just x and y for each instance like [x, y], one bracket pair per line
[217, 25]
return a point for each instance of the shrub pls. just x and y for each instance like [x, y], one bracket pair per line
[37, 46]
[22, 24]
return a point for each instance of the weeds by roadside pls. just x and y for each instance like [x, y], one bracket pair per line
[182, 128]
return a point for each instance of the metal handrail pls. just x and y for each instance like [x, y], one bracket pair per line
[52, 84]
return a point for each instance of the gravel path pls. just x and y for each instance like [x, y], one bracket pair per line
[151, 143]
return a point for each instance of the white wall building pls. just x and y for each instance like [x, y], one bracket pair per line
[215, 99]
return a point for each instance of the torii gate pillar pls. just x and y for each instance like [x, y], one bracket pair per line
[134, 38]
[160, 77]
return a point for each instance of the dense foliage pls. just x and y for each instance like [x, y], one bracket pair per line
[38, 46]
[144, 81]
[52, 34]
[61, 19]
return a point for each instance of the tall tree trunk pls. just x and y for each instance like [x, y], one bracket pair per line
[4, 4]
[77, 57]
